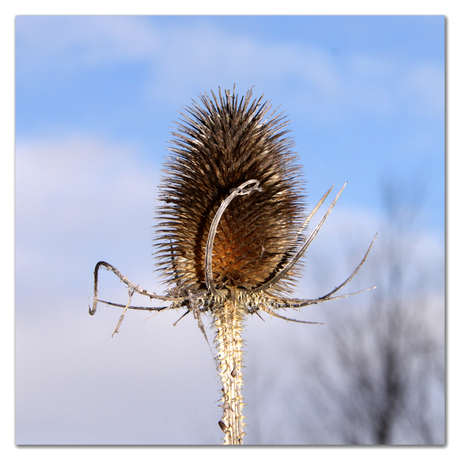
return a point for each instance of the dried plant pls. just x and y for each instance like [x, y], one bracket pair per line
[231, 233]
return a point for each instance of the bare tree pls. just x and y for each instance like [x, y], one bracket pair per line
[380, 376]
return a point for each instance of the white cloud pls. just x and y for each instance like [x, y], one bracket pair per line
[80, 199]
[152, 383]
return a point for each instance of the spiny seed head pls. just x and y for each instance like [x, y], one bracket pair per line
[217, 146]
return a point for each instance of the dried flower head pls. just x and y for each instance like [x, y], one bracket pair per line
[219, 146]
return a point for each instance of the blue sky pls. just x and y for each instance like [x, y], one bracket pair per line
[365, 95]
[96, 100]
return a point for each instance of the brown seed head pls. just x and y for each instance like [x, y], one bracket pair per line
[218, 146]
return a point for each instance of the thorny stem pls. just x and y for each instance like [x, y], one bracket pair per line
[228, 322]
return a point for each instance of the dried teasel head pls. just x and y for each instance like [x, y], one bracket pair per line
[230, 231]
[219, 145]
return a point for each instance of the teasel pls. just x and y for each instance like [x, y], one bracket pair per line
[230, 231]
[217, 147]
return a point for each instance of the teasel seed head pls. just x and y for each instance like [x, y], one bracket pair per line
[218, 146]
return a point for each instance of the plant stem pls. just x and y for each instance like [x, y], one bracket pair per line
[228, 323]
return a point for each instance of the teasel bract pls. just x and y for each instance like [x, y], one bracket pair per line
[230, 231]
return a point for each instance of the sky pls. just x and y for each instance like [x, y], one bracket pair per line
[96, 98]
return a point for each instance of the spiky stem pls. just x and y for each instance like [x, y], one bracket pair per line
[228, 323]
